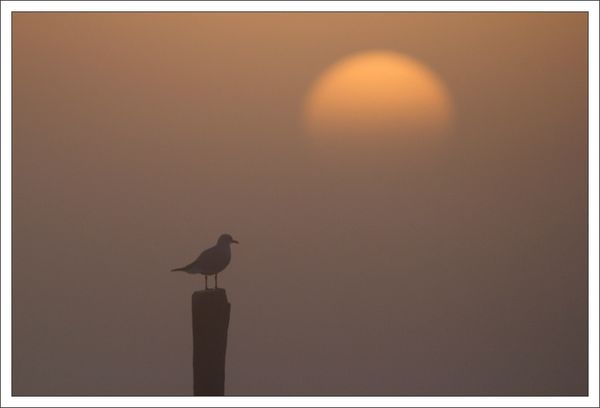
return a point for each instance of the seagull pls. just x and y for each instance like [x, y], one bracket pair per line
[212, 260]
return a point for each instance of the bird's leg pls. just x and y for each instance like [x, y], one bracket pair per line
[205, 282]
[216, 286]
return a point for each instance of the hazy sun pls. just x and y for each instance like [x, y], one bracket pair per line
[378, 94]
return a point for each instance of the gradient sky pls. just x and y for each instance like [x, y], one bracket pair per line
[139, 138]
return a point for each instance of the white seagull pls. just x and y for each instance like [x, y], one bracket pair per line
[212, 260]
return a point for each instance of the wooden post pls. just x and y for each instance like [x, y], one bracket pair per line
[210, 321]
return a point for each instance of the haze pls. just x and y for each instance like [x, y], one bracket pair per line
[139, 138]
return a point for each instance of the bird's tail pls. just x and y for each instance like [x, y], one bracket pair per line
[178, 269]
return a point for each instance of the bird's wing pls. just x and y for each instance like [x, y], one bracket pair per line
[209, 259]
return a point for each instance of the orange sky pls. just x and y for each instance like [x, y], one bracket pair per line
[139, 138]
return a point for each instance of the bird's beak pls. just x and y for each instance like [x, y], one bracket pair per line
[234, 241]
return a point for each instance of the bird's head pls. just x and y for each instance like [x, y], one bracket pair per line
[226, 239]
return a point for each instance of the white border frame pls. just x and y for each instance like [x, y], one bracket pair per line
[288, 6]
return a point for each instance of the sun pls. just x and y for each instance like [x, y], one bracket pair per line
[378, 95]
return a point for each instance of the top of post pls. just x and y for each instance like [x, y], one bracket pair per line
[212, 296]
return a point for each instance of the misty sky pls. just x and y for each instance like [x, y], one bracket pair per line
[139, 138]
